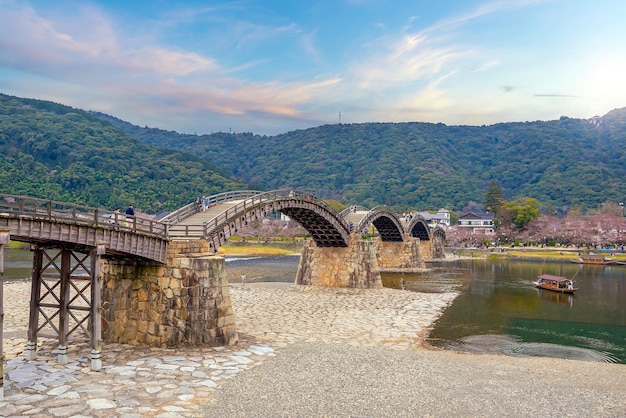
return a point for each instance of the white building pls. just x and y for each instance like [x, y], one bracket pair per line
[477, 223]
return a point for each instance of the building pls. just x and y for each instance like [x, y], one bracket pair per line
[441, 218]
[477, 223]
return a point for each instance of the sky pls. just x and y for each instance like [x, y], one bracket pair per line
[273, 66]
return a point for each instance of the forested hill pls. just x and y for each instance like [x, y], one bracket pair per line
[57, 152]
[565, 164]
[53, 151]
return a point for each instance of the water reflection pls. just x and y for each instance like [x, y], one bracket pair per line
[556, 297]
[18, 263]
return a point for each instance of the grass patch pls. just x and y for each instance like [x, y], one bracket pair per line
[254, 250]
[538, 254]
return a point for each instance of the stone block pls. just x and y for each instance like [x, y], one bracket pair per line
[142, 326]
[130, 334]
[151, 340]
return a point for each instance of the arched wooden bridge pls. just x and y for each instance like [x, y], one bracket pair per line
[226, 213]
[69, 241]
[57, 224]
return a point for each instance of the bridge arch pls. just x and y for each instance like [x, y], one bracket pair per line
[386, 223]
[322, 222]
[418, 228]
[439, 232]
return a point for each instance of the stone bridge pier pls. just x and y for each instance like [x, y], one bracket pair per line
[353, 266]
[401, 256]
[184, 303]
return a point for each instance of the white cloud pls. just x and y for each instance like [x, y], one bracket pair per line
[436, 72]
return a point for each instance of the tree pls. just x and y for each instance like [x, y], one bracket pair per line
[608, 208]
[493, 200]
[336, 205]
[523, 210]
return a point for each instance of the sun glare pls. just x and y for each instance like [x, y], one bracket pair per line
[606, 82]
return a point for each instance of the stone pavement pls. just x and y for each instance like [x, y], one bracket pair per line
[150, 382]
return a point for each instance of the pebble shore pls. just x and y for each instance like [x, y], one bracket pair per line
[303, 351]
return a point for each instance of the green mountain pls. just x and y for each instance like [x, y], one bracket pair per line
[566, 163]
[56, 152]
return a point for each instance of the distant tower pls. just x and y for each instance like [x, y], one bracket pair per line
[340, 118]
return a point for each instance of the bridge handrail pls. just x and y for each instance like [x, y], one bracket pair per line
[351, 208]
[193, 207]
[52, 210]
[229, 214]
[380, 207]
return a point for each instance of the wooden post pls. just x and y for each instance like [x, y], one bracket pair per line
[64, 298]
[4, 239]
[96, 313]
[35, 294]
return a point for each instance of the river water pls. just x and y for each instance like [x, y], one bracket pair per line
[498, 310]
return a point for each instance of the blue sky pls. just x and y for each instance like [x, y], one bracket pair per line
[272, 66]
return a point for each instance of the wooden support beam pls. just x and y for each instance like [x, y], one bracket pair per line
[96, 312]
[63, 306]
[4, 239]
[35, 291]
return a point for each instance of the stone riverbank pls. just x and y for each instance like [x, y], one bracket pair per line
[302, 351]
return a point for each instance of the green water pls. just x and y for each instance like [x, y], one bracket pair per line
[18, 263]
[500, 311]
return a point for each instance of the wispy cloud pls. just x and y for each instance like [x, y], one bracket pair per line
[413, 65]
[239, 65]
[150, 75]
[486, 66]
[553, 95]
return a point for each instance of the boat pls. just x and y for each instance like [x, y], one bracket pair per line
[555, 283]
[593, 259]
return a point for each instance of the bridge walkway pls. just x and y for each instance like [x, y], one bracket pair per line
[354, 218]
[192, 227]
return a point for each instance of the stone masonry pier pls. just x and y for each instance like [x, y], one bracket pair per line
[401, 256]
[355, 266]
[184, 303]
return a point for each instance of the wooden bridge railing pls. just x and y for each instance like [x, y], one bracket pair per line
[351, 209]
[54, 211]
[195, 207]
[230, 214]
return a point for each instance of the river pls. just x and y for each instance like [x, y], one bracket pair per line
[498, 310]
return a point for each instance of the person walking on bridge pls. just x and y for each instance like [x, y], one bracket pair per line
[130, 211]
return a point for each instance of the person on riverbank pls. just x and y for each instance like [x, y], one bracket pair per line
[243, 279]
